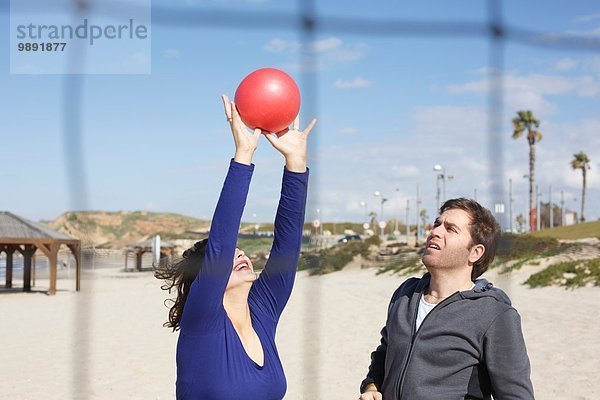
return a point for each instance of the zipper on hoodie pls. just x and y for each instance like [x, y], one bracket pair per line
[400, 384]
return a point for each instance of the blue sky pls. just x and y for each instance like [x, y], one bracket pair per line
[389, 108]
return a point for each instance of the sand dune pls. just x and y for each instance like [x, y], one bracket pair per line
[108, 341]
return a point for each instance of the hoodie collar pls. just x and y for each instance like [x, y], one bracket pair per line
[482, 288]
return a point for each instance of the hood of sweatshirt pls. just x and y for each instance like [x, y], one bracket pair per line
[483, 288]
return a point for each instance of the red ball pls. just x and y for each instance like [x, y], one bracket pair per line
[268, 99]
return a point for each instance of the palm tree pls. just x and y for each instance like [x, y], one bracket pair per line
[527, 122]
[582, 162]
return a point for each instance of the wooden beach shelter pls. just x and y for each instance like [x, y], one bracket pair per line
[25, 236]
[145, 246]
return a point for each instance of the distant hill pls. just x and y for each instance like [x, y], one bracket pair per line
[121, 228]
[118, 229]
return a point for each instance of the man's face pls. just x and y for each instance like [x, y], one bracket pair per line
[449, 244]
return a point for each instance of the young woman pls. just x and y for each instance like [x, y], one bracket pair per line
[228, 316]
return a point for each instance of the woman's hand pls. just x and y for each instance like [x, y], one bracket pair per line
[292, 144]
[245, 142]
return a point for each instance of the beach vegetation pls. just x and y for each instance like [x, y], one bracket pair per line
[514, 247]
[570, 274]
[334, 258]
[515, 251]
[572, 232]
[409, 265]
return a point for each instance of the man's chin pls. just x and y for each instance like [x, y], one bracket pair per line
[428, 261]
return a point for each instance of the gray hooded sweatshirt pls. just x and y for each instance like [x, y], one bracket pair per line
[470, 346]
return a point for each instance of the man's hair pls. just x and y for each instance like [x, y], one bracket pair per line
[484, 229]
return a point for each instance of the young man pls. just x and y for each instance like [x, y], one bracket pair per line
[450, 335]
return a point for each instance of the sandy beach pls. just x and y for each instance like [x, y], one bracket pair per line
[107, 342]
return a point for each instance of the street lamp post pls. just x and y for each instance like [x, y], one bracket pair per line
[437, 191]
[551, 207]
[406, 221]
[510, 206]
[364, 204]
[441, 177]
[320, 227]
[367, 222]
[396, 231]
[562, 208]
[383, 200]
[418, 204]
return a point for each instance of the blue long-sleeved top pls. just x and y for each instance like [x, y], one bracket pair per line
[211, 361]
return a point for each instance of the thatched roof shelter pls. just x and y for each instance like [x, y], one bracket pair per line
[25, 236]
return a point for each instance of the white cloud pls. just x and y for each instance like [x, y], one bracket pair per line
[457, 138]
[323, 53]
[278, 45]
[325, 45]
[453, 136]
[347, 131]
[595, 32]
[405, 171]
[195, 2]
[356, 83]
[529, 92]
[442, 122]
[542, 84]
[587, 18]
[592, 65]
[481, 71]
[553, 156]
[566, 64]
[171, 53]
[137, 59]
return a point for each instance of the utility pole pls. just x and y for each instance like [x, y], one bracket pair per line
[407, 225]
[510, 206]
[396, 232]
[418, 212]
[437, 196]
[562, 208]
[538, 214]
[551, 207]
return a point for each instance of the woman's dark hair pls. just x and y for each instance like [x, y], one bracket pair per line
[484, 229]
[180, 274]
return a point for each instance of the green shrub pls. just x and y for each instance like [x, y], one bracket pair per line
[580, 274]
[373, 240]
[406, 265]
[521, 246]
[332, 259]
[255, 245]
[525, 248]
[259, 260]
